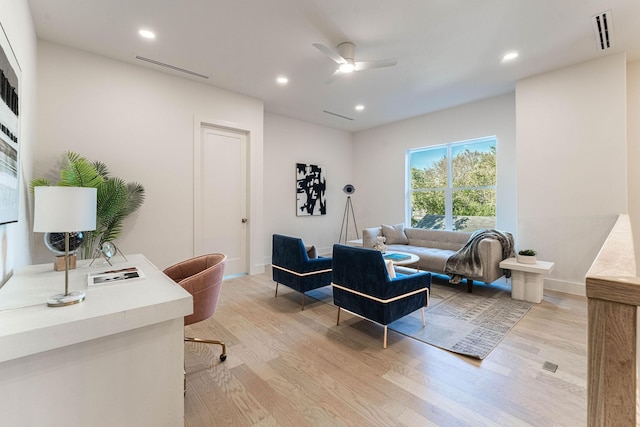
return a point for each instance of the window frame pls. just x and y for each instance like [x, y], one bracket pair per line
[449, 189]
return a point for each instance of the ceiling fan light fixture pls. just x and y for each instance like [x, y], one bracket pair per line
[347, 67]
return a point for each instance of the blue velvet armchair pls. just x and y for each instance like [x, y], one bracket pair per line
[292, 266]
[361, 285]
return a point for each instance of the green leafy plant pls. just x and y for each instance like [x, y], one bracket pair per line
[116, 198]
[527, 252]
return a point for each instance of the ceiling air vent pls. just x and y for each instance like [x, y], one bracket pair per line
[603, 27]
[173, 67]
[337, 115]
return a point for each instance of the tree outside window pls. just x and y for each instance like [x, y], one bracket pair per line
[453, 187]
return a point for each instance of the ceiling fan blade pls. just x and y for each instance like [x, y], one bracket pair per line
[381, 63]
[333, 76]
[330, 53]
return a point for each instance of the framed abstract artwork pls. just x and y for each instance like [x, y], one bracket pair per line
[311, 186]
[9, 130]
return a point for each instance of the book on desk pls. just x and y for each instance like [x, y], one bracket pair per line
[114, 275]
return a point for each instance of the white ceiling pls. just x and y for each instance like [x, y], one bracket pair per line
[449, 51]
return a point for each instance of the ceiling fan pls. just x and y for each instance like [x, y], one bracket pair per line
[345, 58]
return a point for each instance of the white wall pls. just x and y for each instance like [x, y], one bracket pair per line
[633, 151]
[572, 182]
[15, 238]
[379, 157]
[140, 122]
[287, 142]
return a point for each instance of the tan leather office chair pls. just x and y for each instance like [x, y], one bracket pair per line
[202, 278]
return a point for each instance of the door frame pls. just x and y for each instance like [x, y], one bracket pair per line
[198, 219]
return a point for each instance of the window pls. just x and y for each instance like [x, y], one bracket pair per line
[453, 186]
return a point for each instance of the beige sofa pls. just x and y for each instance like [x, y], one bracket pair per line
[434, 247]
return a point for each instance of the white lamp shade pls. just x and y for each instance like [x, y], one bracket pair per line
[61, 209]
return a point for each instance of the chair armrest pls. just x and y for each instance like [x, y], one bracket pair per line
[320, 263]
[405, 284]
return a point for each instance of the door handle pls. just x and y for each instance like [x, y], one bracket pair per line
[244, 220]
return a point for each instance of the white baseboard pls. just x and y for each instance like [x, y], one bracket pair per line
[564, 286]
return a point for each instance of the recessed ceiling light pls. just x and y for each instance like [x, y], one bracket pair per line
[147, 34]
[509, 56]
[359, 107]
[282, 80]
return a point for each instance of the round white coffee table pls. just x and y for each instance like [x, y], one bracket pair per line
[401, 258]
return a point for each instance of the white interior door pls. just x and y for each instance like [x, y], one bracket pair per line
[221, 197]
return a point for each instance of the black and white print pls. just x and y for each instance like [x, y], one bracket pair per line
[311, 186]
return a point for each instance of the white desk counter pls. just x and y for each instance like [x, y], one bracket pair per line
[116, 358]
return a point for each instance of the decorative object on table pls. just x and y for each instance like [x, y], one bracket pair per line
[380, 244]
[55, 242]
[9, 130]
[65, 210]
[527, 256]
[348, 209]
[311, 186]
[107, 251]
[117, 199]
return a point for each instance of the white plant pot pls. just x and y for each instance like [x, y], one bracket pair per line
[526, 259]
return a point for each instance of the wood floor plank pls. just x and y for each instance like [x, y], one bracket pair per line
[293, 367]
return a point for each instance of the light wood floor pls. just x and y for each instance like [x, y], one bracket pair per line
[288, 367]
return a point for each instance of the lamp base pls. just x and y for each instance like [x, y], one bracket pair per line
[62, 300]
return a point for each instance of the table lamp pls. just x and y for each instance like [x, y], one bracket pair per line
[61, 209]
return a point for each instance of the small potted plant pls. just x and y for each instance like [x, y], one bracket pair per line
[527, 256]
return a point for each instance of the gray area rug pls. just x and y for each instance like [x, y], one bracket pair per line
[468, 324]
[471, 324]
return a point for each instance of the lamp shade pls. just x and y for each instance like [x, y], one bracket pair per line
[63, 209]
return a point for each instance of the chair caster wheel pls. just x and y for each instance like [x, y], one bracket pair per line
[223, 357]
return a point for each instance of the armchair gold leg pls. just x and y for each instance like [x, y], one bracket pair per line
[223, 356]
[423, 322]
[384, 345]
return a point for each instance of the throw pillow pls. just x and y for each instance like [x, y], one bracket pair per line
[311, 252]
[395, 234]
[390, 269]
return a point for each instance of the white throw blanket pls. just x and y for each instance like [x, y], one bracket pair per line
[467, 263]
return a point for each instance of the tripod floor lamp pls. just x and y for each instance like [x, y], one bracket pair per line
[348, 212]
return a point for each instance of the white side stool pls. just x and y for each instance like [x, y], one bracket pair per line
[526, 279]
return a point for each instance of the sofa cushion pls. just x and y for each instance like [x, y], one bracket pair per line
[395, 234]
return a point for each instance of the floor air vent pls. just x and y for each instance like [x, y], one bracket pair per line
[603, 27]
[551, 367]
[173, 67]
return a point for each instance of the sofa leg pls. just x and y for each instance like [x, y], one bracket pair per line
[276, 290]
[338, 321]
[469, 285]
[423, 322]
[384, 343]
